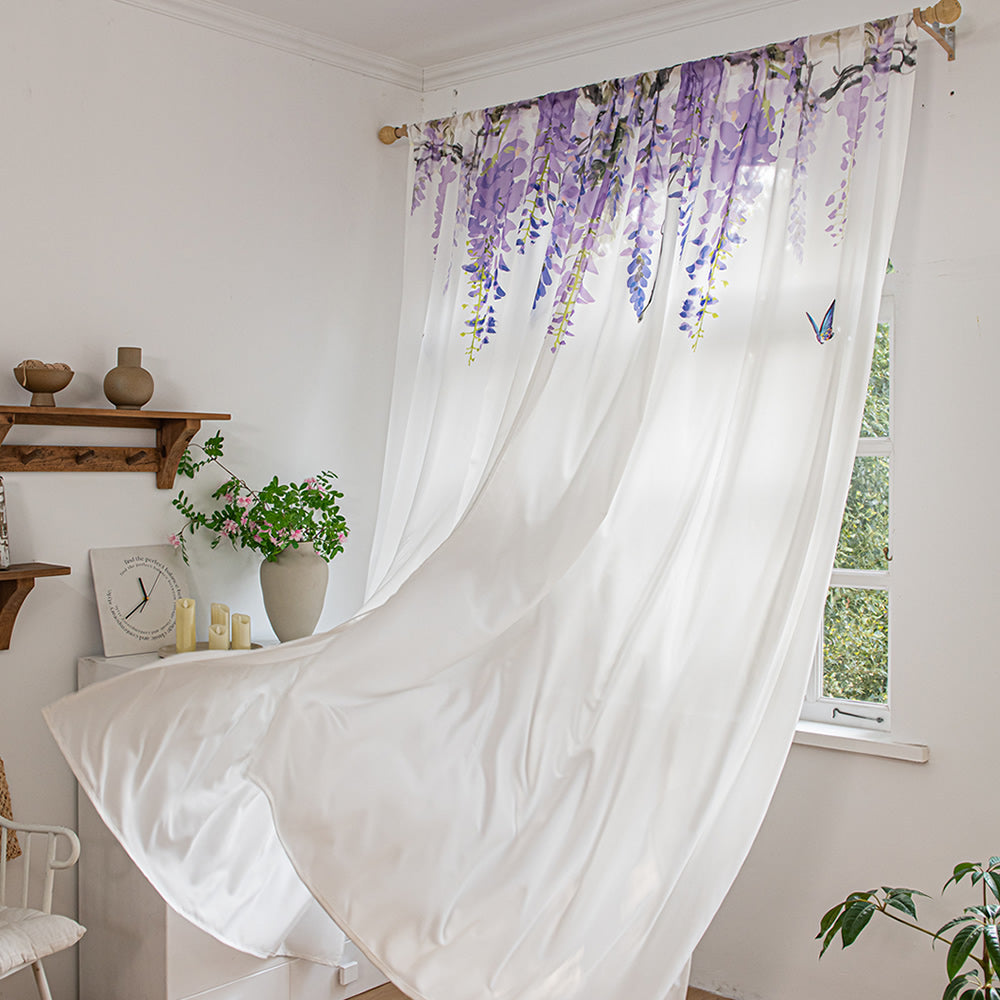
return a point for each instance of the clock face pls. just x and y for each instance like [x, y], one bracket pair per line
[137, 589]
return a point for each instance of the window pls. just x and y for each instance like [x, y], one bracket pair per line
[851, 678]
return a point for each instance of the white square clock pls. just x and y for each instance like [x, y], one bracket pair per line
[137, 588]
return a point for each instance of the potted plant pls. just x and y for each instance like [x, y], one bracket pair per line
[973, 959]
[297, 527]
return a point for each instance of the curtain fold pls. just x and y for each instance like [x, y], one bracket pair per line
[619, 448]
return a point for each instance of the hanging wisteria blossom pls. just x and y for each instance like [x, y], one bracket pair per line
[590, 171]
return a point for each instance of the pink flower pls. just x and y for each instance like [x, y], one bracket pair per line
[244, 502]
[229, 527]
[243, 520]
[297, 535]
[314, 484]
[228, 497]
[257, 538]
[174, 541]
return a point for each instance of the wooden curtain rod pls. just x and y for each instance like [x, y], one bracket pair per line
[931, 19]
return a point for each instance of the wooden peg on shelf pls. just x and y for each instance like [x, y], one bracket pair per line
[938, 21]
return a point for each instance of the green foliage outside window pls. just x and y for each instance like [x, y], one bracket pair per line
[875, 422]
[864, 531]
[856, 621]
[856, 644]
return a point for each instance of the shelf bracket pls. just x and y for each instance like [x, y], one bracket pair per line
[172, 440]
[16, 583]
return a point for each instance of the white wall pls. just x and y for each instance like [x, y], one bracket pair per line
[228, 208]
[838, 821]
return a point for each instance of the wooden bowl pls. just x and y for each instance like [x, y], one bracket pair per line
[42, 382]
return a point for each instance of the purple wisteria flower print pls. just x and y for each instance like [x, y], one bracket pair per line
[552, 189]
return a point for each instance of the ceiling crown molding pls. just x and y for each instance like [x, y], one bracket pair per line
[220, 16]
[277, 35]
[580, 41]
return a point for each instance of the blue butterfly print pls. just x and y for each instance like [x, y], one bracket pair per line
[825, 329]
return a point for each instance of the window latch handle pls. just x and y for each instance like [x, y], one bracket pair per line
[856, 715]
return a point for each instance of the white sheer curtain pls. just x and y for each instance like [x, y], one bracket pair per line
[531, 767]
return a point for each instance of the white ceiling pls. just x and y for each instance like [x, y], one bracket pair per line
[429, 32]
[425, 33]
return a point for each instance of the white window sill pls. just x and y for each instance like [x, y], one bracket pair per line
[852, 740]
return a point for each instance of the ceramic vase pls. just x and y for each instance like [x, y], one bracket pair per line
[294, 589]
[128, 385]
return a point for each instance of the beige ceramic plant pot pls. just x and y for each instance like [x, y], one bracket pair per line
[294, 589]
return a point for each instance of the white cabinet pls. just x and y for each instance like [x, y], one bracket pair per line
[138, 948]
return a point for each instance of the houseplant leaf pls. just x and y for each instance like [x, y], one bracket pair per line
[830, 924]
[954, 988]
[992, 935]
[856, 917]
[960, 871]
[902, 899]
[993, 883]
[965, 940]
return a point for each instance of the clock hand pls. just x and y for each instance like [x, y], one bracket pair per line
[149, 594]
[141, 604]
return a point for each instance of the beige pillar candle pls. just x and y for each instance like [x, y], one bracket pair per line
[220, 616]
[218, 637]
[241, 631]
[185, 625]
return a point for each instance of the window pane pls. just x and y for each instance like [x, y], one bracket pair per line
[875, 422]
[856, 644]
[864, 531]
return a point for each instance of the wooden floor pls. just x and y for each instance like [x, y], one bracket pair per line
[389, 992]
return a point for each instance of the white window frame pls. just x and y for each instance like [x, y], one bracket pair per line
[841, 711]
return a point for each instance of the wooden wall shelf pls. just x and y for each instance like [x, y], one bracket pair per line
[174, 432]
[16, 582]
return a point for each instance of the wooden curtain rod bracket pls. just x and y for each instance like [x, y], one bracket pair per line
[390, 133]
[938, 21]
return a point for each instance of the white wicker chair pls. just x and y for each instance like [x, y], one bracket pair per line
[29, 930]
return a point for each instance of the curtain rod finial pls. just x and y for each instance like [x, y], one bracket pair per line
[943, 12]
[390, 133]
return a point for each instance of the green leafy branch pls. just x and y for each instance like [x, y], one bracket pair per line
[977, 940]
[267, 520]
